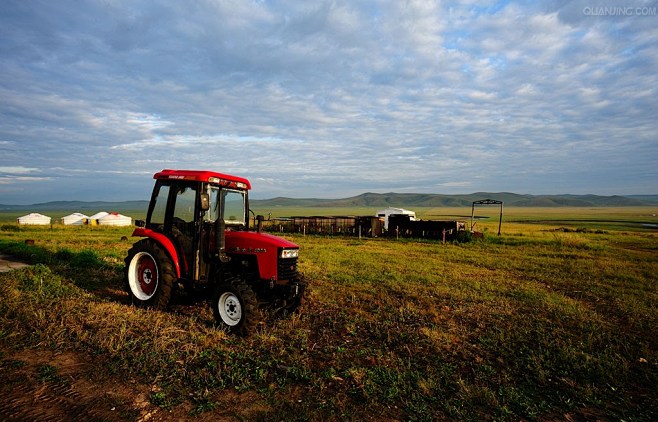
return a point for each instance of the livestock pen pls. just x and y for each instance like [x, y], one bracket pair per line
[368, 226]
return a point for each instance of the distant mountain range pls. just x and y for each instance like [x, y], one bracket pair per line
[377, 200]
[439, 200]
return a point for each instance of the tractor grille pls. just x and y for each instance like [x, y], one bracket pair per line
[287, 268]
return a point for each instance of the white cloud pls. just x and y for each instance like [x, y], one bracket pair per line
[13, 180]
[147, 122]
[17, 170]
[462, 184]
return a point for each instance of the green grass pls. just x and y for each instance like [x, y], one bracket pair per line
[534, 325]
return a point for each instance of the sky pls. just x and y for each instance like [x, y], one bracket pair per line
[328, 99]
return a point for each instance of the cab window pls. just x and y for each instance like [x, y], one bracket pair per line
[185, 202]
[213, 212]
[160, 197]
[233, 205]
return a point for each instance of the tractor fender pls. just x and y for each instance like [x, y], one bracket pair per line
[164, 241]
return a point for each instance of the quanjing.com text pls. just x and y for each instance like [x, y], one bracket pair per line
[619, 11]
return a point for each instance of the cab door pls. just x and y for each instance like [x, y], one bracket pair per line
[183, 226]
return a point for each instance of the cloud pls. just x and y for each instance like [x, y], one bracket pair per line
[18, 170]
[13, 180]
[330, 97]
[461, 184]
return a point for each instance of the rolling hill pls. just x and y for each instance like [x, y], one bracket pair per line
[438, 200]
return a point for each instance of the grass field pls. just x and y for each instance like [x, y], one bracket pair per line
[555, 319]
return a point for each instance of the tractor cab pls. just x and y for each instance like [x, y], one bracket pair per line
[196, 234]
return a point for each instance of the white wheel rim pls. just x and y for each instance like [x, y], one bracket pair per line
[149, 275]
[230, 309]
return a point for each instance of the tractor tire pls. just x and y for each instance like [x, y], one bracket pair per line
[149, 275]
[235, 307]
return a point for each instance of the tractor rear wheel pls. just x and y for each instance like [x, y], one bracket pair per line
[235, 307]
[149, 275]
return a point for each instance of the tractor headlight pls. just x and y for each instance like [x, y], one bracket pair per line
[289, 253]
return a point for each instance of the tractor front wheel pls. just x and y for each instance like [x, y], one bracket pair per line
[149, 275]
[235, 307]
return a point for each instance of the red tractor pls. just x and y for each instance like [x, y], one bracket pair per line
[196, 235]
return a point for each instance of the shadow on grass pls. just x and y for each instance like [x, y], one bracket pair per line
[91, 272]
[86, 268]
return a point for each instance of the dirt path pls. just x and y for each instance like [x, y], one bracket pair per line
[42, 385]
[47, 386]
[8, 263]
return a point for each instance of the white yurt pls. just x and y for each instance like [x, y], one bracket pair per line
[115, 219]
[93, 220]
[75, 219]
[98, 215]
[34, 219]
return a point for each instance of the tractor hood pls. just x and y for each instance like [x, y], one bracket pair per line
[243, 241]
[265, 247]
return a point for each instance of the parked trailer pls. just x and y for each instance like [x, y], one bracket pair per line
[403, 226]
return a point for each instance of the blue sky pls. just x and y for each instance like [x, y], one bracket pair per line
[328, 98]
